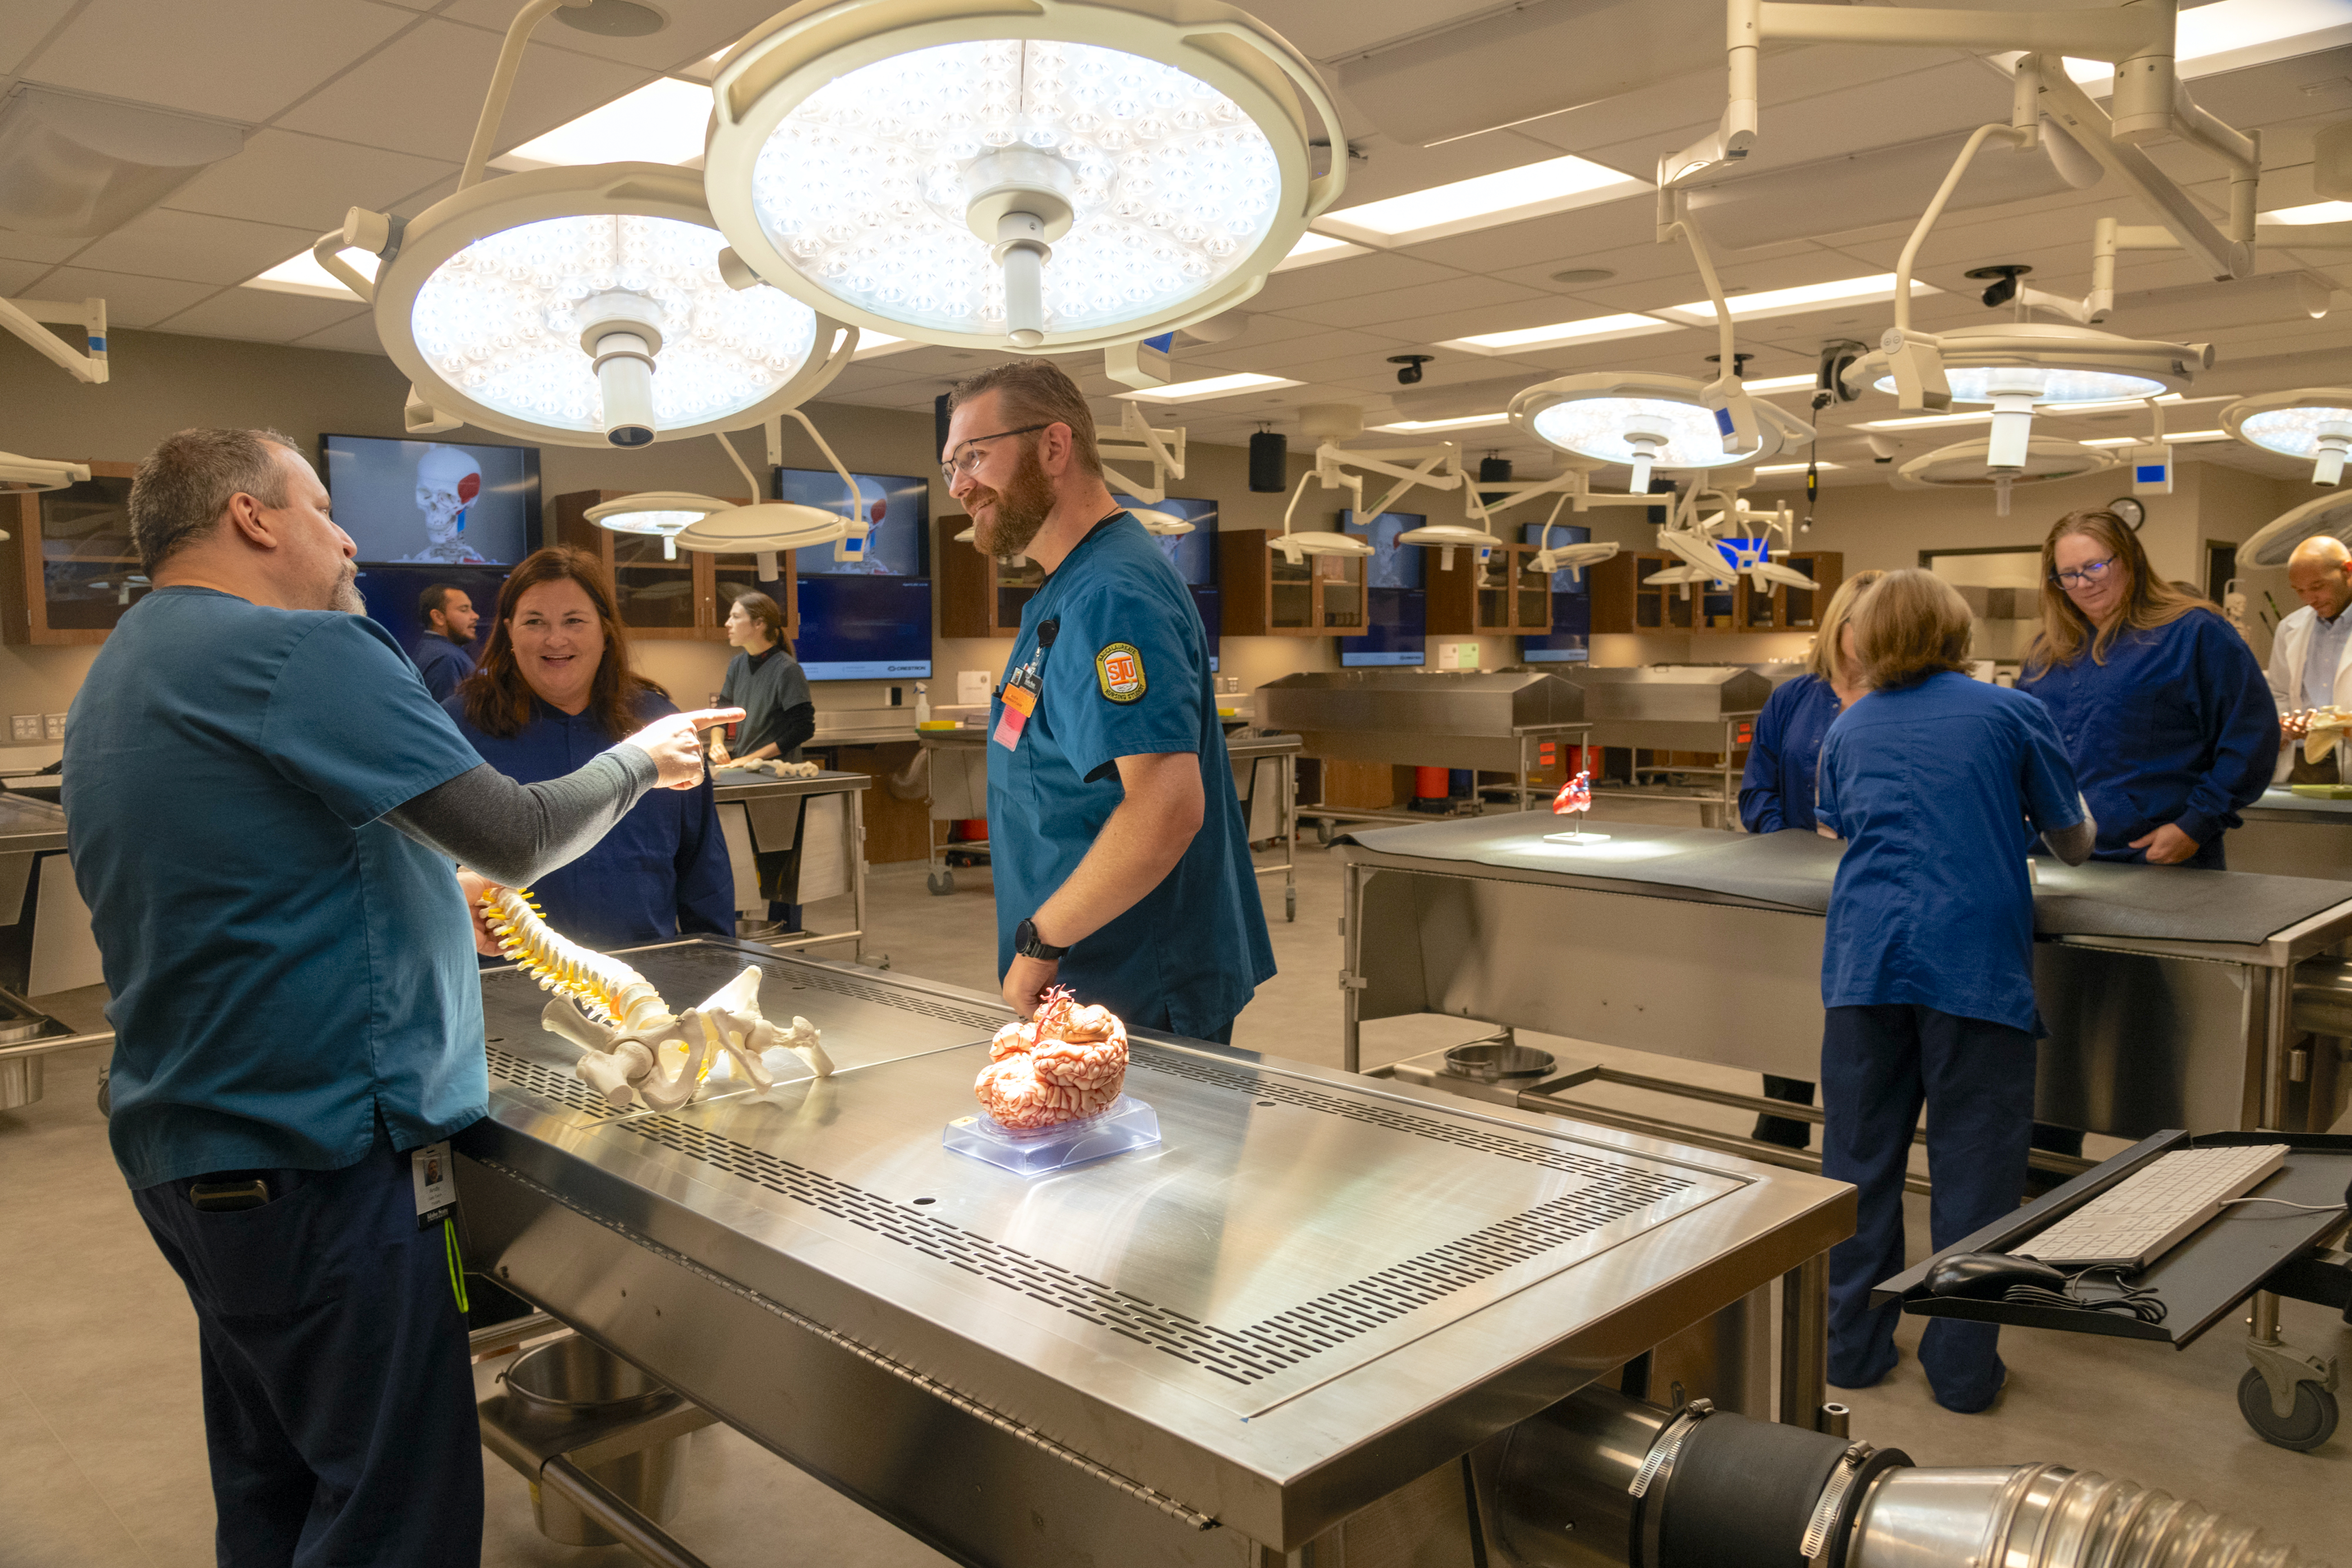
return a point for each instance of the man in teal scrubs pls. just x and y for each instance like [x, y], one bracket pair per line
[264, 805]
[1121, 865]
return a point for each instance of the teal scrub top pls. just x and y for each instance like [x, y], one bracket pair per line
[289, 971]
[1120, 667]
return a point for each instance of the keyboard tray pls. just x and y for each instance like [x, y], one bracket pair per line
[2200, 1281]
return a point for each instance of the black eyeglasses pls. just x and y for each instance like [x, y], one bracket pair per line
[965, 458]
[2091, 572]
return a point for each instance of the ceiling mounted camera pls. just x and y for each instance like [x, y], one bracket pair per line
[2001, 282]
[1411, 374]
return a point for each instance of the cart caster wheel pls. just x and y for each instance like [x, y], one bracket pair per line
[1290, 903]
[105, 1092]
[940, 883]
[2313, 1422]
[1323, 832]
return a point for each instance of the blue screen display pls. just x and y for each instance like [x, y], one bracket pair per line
[1396, 606]
[1571, 641]
[1193, 555]
[434, 502]
[869, 619]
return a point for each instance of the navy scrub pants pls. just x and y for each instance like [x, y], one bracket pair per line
[337, 1389]
[1879, 1066]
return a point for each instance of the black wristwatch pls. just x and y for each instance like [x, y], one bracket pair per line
[1029, 944]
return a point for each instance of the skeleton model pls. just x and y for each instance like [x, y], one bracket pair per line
[637, 1051]
[1067, 1063]
[448, 482]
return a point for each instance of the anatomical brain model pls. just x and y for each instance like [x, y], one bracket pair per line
[1067, 1063]
[637, 1050]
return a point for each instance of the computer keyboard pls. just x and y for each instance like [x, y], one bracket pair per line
[2137, 1221]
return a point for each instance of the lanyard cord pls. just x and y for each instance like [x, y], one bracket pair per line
[456, 1268]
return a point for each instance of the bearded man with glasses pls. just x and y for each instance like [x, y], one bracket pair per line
[1121, 865]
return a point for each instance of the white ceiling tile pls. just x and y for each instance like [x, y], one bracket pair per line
[354, 336]
[1275, 359]
[1347, 279]
[1402, 309]
[19, 247]
[285, 177]
[262, 314]
[695, 31]
[195, 246]
[17, 278]
[131, 301]
[23, 25]
[242, 59]
[423, 93]
[1563, 239]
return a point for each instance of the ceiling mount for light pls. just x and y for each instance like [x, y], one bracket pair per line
[1647, 421]
[665, 514]
[2314, 422]
[1053, 175]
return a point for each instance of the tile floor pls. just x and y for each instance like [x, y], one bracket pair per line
[102, 1449]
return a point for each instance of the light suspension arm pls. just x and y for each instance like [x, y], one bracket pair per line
[502, 81]
[24, 318]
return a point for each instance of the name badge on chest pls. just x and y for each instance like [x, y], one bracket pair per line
[1020, 693]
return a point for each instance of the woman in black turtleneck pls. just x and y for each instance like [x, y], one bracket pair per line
[766, 683]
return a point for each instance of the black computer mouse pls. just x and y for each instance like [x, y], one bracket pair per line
[1987, 1275]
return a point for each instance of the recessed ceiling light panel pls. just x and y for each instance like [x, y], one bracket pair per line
[529, 303]
[1061, 175]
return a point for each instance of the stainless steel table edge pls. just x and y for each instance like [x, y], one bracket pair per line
[1419, 864]
[1318, 1459]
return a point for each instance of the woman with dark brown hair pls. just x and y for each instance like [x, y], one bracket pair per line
[766, 683]
[554, 689]
[2166, 713]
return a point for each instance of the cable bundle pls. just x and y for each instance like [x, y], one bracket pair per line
[2133, 1301]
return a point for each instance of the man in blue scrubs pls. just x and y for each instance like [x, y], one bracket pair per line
[442, 653]
[263, 806]
[1121, 867]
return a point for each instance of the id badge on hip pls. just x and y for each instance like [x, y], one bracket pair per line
[434, 1176]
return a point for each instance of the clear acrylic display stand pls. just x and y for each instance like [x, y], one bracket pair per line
[1129, 1123]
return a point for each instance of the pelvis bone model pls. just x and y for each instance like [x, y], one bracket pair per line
[637, 1051]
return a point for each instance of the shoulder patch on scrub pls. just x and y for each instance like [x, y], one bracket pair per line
[1119, 670]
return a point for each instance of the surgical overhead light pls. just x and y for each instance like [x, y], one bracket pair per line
[1967, 465]
[2274, 543]
[1646, 421]
[665, 514]
[2315, 422]
[1445, 538]
[584, 306]
[2023, 366]
[1164, 524]
[1053, 175]
[21, 476]
[764, 530]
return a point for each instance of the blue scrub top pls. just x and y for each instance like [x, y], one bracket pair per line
[2178, 725]
[662, 871]
[1932, 786]
[287, 970]
[1196, 944]
[443, 664]
[1783, 753]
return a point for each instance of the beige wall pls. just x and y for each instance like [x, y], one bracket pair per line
[163, 383]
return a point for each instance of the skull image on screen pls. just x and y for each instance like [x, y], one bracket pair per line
[448, 481]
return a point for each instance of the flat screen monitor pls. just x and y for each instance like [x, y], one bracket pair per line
[1396, 604]
[433, 503]
[869, 619]
[1194, 556]
[1571, 641]
[391, 593]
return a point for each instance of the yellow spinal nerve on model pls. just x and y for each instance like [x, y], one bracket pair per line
[636, 1051]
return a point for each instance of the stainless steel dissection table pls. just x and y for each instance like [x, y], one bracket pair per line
[2166, 992]
[775, 810]
[1314, 1292]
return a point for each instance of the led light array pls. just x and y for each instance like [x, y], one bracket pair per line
[502, 321]
[863, 188]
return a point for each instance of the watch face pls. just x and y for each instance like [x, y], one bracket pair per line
[2130, 509]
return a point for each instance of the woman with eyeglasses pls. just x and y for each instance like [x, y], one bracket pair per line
[2164, 709]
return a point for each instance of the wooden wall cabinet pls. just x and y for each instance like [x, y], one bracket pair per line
[1265, 596]
[684, 600]
[1500, 593]
[1623, 603]
[979, 595]
[75, 572]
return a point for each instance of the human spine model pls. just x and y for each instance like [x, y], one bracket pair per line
[636, 1050]
[1066, 1063]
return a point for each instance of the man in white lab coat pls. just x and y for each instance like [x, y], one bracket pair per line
[2311, 658]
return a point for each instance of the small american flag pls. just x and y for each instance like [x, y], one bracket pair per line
[1576, 794]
